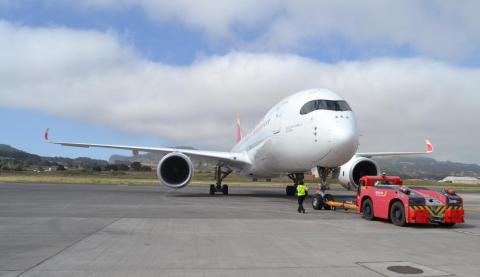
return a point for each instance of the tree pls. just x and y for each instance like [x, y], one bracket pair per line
[18, 166]
[111, 167]
[137, 166]
[123, 167]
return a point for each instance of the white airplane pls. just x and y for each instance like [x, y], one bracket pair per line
[311, 129]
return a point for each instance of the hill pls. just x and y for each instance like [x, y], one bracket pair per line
[151, 159]
[12, 158]
[8, 152]
[406, 167]
[426, 168]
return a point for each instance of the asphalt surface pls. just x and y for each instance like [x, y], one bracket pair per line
[107, 230]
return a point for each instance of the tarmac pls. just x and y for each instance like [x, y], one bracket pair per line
[115, 230]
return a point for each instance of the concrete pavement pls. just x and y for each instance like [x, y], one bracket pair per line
[104, 230]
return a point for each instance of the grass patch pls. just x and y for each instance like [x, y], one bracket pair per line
[201, 179]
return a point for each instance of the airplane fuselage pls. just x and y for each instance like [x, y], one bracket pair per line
[311, 128]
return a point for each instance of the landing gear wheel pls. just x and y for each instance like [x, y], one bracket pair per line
[326, 198]
[290, 190]
[397, 214]
[220, 174]
[317, 202]
[367, 209]
[448, 225]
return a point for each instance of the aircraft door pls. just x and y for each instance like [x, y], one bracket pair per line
[277, 119]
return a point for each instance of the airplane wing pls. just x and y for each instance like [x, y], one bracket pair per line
[215, 157]
[428, 150]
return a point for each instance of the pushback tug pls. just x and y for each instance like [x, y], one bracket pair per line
[386, 197]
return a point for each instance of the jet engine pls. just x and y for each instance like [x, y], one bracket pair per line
[175, 170]
[350, 173]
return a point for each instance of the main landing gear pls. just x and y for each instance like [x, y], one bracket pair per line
[219, 176]
[296, 178]
[320, 199]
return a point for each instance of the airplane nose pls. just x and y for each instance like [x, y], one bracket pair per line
[344, 141]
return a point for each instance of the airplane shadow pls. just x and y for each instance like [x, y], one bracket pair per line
[232, 195]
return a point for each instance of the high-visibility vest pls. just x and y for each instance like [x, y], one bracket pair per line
[301, 189]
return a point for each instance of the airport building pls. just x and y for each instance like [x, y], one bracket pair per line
[460, 180]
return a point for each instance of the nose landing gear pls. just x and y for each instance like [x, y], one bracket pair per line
[320, 199]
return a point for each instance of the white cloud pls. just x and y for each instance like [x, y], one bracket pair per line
[439, 29]
[92, 77]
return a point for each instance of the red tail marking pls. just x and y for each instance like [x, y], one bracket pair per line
[429, 146]
[46, 134]
[239, 130]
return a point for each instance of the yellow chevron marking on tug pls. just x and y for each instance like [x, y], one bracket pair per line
[437, 210]
[430, 211]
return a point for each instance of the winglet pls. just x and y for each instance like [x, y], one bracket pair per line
[239, 130]
[46, 134]
[429, 146]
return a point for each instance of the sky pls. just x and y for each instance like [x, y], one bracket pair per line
[170, 73]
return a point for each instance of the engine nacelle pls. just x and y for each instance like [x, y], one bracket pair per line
[351, 172]
[175, 170]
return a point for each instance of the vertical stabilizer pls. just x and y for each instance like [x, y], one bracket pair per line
[429, 146]
[239, 129]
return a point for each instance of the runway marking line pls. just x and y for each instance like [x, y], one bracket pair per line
[467, 233]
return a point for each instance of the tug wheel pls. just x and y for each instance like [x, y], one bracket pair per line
[397, 214]
[317, 202]
[367, 209]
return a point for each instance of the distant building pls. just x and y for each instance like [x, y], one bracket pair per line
[460, 180]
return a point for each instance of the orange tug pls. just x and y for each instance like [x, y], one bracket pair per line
[386, 197]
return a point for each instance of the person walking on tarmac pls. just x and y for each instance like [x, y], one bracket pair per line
[302, 192]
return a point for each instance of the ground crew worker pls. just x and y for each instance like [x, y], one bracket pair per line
[302, 191]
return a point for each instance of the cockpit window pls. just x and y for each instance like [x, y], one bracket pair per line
[332, 105]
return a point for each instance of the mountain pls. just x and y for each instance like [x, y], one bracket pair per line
[423, 167]
[14, 158]
[8, 152]
[406, 167]
[148, 159]
[151, 159]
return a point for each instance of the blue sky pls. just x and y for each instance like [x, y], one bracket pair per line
[167, 73]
